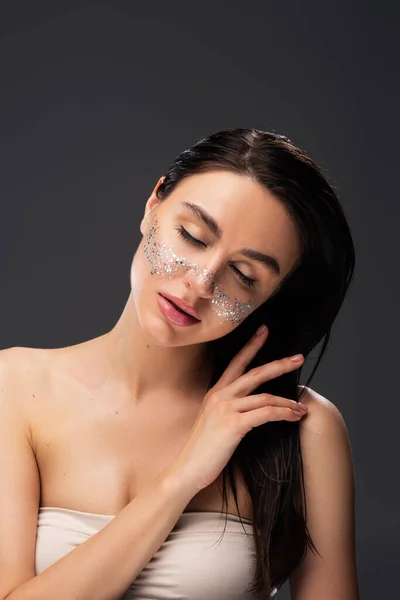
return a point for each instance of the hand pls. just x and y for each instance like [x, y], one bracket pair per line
[228, 413]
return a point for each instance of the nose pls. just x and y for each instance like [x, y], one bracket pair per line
[201, 280]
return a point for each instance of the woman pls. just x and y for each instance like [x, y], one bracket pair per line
[111, 446]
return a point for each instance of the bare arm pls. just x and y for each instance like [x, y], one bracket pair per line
[330, 492]
[106, 564]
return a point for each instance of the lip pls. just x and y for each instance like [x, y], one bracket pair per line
[173, 314]
[186, 307]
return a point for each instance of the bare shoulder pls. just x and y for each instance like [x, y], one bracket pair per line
[10, 361]
[18, 363]
[22, 370]
[323, 417]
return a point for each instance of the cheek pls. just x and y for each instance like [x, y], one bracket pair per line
[140, 277]
[229, 309]
[135, 274]
[161, 259]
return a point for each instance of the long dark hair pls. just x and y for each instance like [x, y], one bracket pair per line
[299, 315]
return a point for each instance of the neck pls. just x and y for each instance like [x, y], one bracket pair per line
[146, 367]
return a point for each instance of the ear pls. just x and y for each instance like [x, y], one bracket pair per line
[150, 204]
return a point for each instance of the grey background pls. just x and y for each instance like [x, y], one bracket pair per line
[97, 98]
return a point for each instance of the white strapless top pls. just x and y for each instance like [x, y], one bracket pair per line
[195, 562]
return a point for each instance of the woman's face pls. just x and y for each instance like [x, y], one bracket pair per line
[218, 278]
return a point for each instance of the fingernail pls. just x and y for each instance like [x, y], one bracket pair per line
[296, 357]
[299, 413]
[261, 329]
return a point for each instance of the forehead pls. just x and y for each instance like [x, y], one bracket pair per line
[248, 214]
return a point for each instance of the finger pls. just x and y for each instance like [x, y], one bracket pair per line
[259, 400]
[265, 414]
[246, 383]
[239, 362]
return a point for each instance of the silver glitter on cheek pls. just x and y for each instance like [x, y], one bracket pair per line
[165, 263]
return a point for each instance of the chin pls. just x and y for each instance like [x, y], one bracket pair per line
[155, 329]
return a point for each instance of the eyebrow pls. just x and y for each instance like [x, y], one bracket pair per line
[198, 211]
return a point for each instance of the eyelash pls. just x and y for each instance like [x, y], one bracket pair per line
[247, 281]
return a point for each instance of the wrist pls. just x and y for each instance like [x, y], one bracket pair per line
[174, 483]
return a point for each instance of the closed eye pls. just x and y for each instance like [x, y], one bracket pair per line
[247, 281]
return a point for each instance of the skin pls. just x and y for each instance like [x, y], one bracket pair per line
[128, 399]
